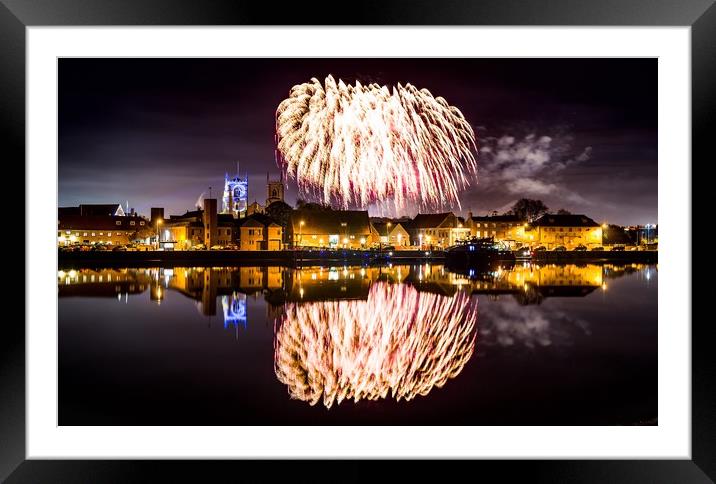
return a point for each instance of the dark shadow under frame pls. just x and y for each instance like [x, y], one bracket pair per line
[15, 15]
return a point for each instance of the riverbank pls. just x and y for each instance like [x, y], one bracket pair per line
[317, 257]
[244, 258]
[644, 256]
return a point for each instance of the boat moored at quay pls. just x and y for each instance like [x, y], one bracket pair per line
[478, 251]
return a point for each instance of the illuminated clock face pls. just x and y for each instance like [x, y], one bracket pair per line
[240, 191]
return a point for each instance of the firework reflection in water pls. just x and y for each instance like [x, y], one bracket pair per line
[398, 342]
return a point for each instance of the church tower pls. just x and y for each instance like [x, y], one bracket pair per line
[236, 194]
[274, 190]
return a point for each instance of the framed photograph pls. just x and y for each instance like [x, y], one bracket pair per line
[424, 231]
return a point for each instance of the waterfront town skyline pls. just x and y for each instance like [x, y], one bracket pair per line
[159, 132]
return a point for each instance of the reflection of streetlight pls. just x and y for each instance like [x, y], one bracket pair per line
[300, 231]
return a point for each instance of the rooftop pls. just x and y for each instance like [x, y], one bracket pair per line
[498, 218]
[430, 220]
[331, 221]
[555, 220]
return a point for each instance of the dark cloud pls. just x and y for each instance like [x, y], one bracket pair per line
[578, 133]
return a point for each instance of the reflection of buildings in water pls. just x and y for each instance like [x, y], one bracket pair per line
[529, 282]
[551, 280]
[204, 285]
[397, 342]
[614, 271]
[342, 282]
[101, 282]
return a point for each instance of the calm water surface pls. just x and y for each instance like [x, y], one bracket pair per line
[411, 344]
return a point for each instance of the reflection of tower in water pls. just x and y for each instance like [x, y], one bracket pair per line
[208, 293]
[234, 307]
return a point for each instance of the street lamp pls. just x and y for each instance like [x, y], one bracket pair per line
[300, 231]
[159, 222]
[387, 237]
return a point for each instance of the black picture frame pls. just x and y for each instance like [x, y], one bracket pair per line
[700, 15]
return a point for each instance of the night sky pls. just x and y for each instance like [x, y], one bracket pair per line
[579, 134]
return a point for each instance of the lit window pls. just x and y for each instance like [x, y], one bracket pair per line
[67, 231]
[141, 223]
[109, 234]
[84, 234]
[101, 233]
[93, 234]
[118, 222]
[132, 222]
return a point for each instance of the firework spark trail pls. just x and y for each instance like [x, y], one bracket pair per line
[398, 342]
[355, 145]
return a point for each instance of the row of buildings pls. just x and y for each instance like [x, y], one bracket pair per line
[350, 229]
[353, 229]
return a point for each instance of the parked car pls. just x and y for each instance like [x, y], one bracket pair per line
[198, 247]
[598, 248]
[541, 248]
[231, 247]
[119, 248]
[580, 248]
[618, 248]
[560, 248]
[217, 247]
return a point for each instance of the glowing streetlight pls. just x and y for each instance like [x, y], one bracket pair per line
[159, 222]
[387, 235]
